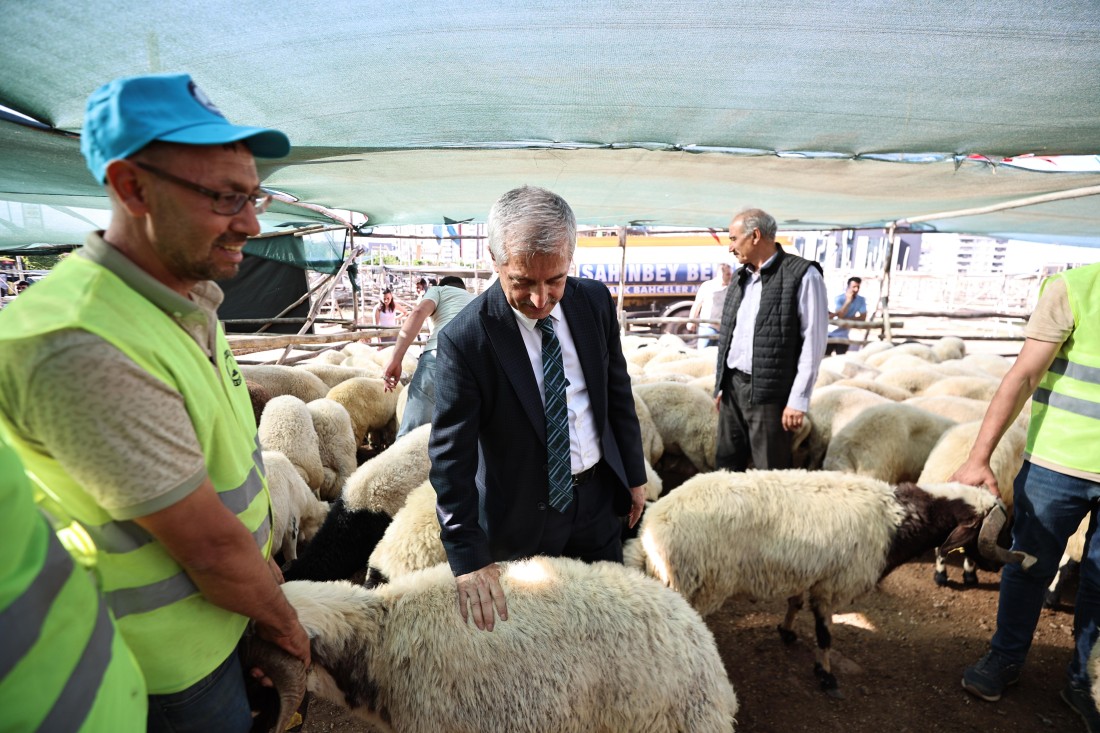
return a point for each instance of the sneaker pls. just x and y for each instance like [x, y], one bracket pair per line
[1082, 704]
[990, 676]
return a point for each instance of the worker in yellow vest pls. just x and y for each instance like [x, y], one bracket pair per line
[121, 395]
[1059, 484]
[63, 664]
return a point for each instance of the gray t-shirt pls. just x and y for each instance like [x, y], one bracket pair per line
[448, 300]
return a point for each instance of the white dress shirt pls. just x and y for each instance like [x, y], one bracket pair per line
[584, 441]
[813, 313]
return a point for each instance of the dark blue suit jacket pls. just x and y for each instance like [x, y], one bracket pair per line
[488, 441]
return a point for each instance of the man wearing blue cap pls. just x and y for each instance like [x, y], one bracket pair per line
[123, 399]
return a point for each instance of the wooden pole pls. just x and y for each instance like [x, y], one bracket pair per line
[622, 280]
[884, 296]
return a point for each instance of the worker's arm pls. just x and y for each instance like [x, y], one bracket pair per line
[409, 331]
[221, 557]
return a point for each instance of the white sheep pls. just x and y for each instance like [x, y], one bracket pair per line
[948, 348]
[826, 377]
[867, 350]
[412, 543]
[653, 446]
[297, 513]
[1070, 562]
[585, 648]
[686, 419]
[949, 454]
[336, 444]
[890, 442]
[890, 392]
[333, 374]
[994, 365]
[959, 409]
[278, 379]
[287, 426]
[913, 380]
[831, 408]
[979, 388]
[782, 534]
[370, 406]
[922, 352]
[382, 483]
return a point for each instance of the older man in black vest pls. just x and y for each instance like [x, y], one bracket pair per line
[773, 336]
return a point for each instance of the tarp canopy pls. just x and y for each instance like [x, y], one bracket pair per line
[660, 112]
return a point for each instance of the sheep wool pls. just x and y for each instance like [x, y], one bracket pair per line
[979, 388]
[297, 512]
[890, 392]
[333, 374]
[890, 442]
[585, 648]
[686, 419]
[831, 408]
[336, 443]
[287, 426]
[277, 379]
[653, 447]
[953, 447]
[368, 403]
[384, 482]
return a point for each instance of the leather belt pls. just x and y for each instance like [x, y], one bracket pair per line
[580, 478]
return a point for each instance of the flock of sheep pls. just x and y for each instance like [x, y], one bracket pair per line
[887, 427]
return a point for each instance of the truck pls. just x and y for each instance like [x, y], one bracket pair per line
[663, 272]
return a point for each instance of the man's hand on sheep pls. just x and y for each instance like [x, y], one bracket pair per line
[792, 419]
[392, 374]
[481, 589]
[975, 472]
[637, 503]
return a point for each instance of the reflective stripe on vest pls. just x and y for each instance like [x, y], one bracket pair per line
[78, 696]
[28, 612]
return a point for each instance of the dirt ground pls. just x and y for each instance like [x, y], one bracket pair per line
[899, 654]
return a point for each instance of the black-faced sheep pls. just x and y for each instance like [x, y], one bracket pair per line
[585, 648]
[785, 534]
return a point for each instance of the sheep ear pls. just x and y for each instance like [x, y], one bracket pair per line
[960, 536]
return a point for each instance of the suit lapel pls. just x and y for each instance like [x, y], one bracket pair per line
[583, 325]
[503, 332]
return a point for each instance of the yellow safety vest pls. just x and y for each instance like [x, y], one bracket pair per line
[63, 666]
[177, 635]
[1065, 409]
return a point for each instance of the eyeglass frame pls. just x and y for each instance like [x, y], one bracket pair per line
[259, 198]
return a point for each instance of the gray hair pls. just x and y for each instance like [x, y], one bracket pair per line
[531, 221]
[758, 219]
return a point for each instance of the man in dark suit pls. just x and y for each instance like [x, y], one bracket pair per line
[497, 477]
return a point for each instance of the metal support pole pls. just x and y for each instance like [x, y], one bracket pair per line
[622, 279]
[884, 295]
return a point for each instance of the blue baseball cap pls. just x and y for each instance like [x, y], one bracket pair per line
[125, 115]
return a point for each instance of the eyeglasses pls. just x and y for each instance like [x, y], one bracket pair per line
[226, 204]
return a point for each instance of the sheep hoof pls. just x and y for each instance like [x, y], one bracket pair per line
[970, 577]
[1051, 599]
[940, 577]
[788, 636]
[828, 681]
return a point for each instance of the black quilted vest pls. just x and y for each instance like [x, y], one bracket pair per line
[777, 338]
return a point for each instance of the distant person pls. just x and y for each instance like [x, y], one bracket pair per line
[709, 299]
[386, 313]
[439, 305]
[535, 445]
[769, 348]
[421, 288]
[850, 306]
[1058, 368]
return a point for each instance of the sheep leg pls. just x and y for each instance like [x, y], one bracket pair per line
[786, 632]
[939, 575]
[970, 573]
[823, 621]
[1054, 591]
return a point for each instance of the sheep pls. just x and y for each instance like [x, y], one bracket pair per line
[914, 380]
[653, 446]
[959, 409]
[826, 377]
[333, 374]
[690, 365]
[994, 365]
[412, 543]
[298, 514]
[890, 392]
[686, 418]
[949, 347]
[336, 443]
[889, 442]
[585, 648]
[831, 408]
[896, 360]
[922, 352]
[949, 454]
[259, 398]
[287, 426]
[848, 367]
[783, 534]
[368, 403]
[282, 380]
[372, 495]
[867, 350]
[1070, 562]
[979, 388]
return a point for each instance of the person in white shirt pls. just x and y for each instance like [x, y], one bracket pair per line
[770, 347]
[709, 299]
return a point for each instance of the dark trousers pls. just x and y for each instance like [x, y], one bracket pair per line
[836, 349]
[588, 529]
[747, 431]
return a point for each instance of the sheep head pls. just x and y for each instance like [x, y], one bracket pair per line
[285, 671]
